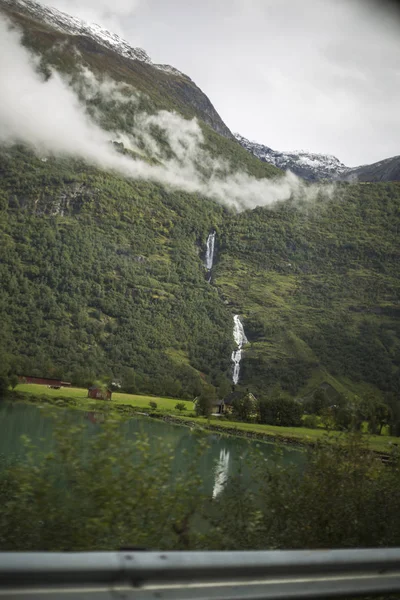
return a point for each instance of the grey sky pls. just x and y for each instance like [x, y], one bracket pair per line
[320, 75]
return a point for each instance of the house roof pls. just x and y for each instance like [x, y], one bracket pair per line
[99, 387]
[39, 377]
[233, 396]
[237, 396]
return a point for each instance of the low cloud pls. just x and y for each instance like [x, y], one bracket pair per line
[90, 87]
[48, 116]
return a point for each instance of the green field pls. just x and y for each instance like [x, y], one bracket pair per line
[379, 443]
[117, 398]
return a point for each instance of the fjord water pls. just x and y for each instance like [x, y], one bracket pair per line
[222, 459]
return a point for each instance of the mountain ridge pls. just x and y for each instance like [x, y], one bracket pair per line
[314, 166]
[308, 165]
[105, 275]
[171, 83]
[75, 26]
[387, 169]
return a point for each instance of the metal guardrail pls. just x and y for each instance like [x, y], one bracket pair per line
[200, 575]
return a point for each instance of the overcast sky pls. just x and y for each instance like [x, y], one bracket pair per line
[319, 75]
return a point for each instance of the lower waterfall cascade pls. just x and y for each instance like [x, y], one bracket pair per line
[240, 339]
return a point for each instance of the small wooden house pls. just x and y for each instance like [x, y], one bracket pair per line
[99, 393]
[225, 405]
[218, 407]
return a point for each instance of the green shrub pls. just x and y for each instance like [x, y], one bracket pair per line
[310, 421]
[342, 497]
[180, 406]
[280, 410]
[74, 499]
[153, 404]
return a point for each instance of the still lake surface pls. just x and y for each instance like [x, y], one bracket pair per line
[223, 458]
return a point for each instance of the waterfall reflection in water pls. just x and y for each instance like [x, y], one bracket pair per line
[221, 472]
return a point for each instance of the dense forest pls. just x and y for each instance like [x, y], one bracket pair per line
[103, 276]
[112, 283]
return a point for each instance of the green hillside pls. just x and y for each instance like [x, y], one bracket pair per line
[319, 289]
[101, 274]
[104, 276]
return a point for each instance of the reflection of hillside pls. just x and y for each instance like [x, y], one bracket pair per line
[158, 432]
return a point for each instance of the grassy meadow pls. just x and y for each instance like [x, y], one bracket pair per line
[302, 435]
[81, 395]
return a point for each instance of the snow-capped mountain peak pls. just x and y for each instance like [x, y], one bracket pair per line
[74, 26]
[309, 165]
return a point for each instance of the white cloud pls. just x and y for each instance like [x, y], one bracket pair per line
[323, 75]
[90, 86]
[48, 116]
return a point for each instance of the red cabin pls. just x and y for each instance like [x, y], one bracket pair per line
[99, 393]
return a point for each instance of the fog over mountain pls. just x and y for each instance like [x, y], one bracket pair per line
[318, 75]
[46, 114]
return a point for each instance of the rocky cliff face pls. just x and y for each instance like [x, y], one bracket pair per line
[188, 93]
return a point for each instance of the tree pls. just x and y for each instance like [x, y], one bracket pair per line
[318, 402]
[13, 380]
[224, 388]
[343, 417]
[4, 382]
[243, 408]
[204, 403]
[375, 412]
[280, 410]
[129, 382]
[393, 404]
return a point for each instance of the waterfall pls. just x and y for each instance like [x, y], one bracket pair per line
[240, 339]
[210, 250]
[221, 472]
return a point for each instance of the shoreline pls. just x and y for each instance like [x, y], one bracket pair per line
[235, 431]
[128, 411]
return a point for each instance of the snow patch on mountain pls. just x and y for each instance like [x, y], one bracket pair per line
[308, 165]
[74, 26]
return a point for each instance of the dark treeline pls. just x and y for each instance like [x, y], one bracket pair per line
[367, 414]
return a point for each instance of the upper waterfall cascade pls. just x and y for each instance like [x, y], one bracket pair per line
[240, 339]
[210, 251]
